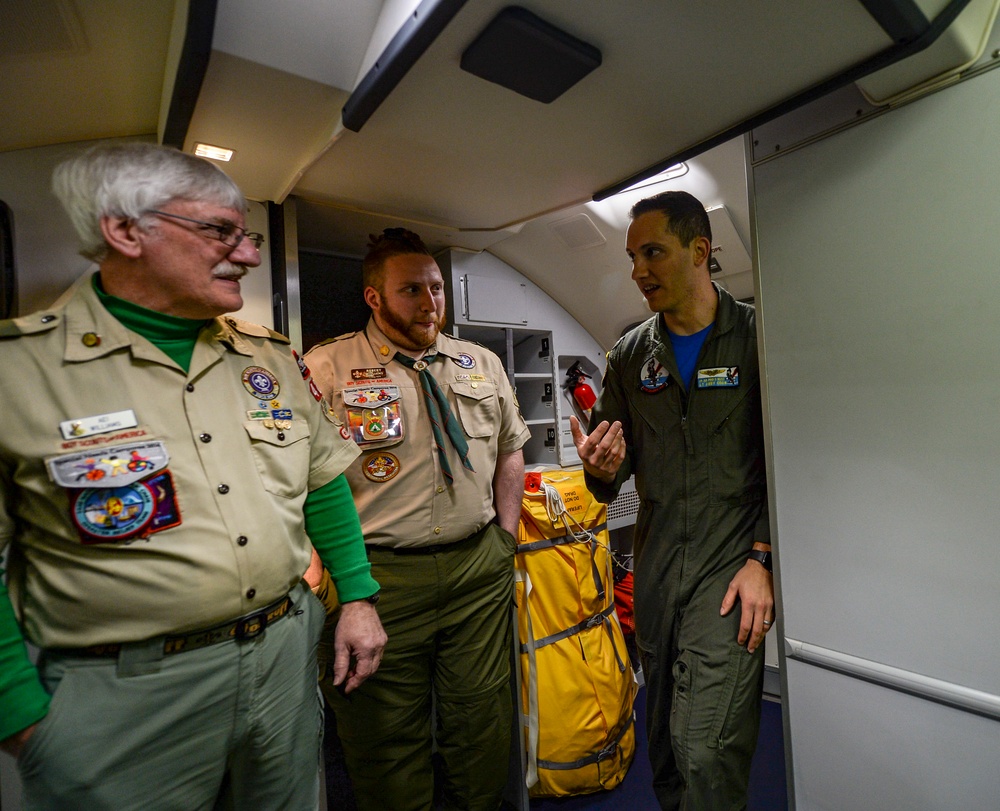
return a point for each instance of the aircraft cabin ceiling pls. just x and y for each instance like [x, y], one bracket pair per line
[462, 160]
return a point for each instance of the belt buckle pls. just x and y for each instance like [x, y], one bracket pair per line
[252, 626]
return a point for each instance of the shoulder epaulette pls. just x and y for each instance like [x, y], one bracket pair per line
[28, 324]
[256, 330]
[343, 337]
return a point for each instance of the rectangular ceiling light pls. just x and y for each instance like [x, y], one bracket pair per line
[216, 153]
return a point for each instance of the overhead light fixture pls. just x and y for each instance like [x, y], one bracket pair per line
[216, 153]
[675, 171]
[524, 53]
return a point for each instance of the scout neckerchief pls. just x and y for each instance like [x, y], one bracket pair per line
[439, 412]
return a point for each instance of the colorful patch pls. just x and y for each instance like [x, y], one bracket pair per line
[344, 433]
[98, 424]
[376, 373]
[380, 467]
[653, 377]
[314, 391]
[112, 467]
[465, 361]
[722, 377]
[113, 514]
[374, 414]
[281, 413]
[259, 414]
[260, 382]
[167, 513]
[303, 369]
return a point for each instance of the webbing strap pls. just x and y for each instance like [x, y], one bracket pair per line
[531, 720]
[594, 757]
[548, 543]
[590, 622]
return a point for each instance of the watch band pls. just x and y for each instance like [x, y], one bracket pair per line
[763, 558]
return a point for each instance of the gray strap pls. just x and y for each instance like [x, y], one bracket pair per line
[547, 543]
[595, 757]
[590, 622]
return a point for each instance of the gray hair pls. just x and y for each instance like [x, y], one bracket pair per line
[130, 179]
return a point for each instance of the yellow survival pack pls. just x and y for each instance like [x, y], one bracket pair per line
[577, 685]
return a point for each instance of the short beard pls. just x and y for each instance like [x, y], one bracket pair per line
[415, 337]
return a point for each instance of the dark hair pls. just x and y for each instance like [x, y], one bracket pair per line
[392, 242]
[686, 216]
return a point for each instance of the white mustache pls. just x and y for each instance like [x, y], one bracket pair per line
[229, 271]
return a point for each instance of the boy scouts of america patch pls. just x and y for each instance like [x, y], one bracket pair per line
[465, 361]
[260, 382]
[653, 377]
[723, 377]
[380, 467]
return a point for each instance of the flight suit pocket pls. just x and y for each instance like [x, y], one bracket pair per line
[477, 407]
[281, 455]
[736, 466]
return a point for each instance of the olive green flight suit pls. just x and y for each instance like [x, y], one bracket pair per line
[698, 459]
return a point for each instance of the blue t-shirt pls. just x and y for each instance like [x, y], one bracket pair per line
[686, 351]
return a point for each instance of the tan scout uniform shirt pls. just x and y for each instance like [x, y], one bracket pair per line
[225, 533]
[402, 497]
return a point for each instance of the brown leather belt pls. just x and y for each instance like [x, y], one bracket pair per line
[246, 627]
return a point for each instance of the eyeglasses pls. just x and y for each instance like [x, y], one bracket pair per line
[229, 234]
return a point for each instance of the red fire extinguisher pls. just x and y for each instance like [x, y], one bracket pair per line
[583, 394]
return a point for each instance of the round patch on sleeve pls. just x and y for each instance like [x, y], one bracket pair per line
[465, 361]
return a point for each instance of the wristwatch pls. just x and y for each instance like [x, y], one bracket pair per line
[763, 558]
[374, 598]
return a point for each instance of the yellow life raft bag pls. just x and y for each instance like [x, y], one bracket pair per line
[577, 684]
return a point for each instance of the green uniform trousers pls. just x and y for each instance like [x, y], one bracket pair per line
[448, 617]
[703, 704]
[233, 725]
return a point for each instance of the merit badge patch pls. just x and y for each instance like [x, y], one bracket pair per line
[723, 377]
[260, 382]
[374, 414]
[653, 377]
[465, 361]
[380, 467]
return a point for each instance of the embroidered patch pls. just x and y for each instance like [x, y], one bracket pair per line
[465, 361]
[653, 377]
[344, 433]
[104, 440]
[376, 373]
[722, 377]
[314, 391]
[281, 413]
[477, 378]
[260, 382]
[116, 466]
[113, 514]
[380, 467]
[303, 369]
[259, 414]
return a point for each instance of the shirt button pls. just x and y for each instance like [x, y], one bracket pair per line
[251, 593]
[440, 489]
[223, 488]
[437, 530]
[47, 319]
[281, 435]
[243, 540]
[190, 387]
[205, 437]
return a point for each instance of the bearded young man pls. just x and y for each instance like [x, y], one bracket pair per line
[438, 488]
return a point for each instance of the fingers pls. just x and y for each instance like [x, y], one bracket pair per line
[579, 437]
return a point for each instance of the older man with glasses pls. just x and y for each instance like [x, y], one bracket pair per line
[160, 488]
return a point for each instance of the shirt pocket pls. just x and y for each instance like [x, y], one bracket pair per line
[478, 408]
[281, 455]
